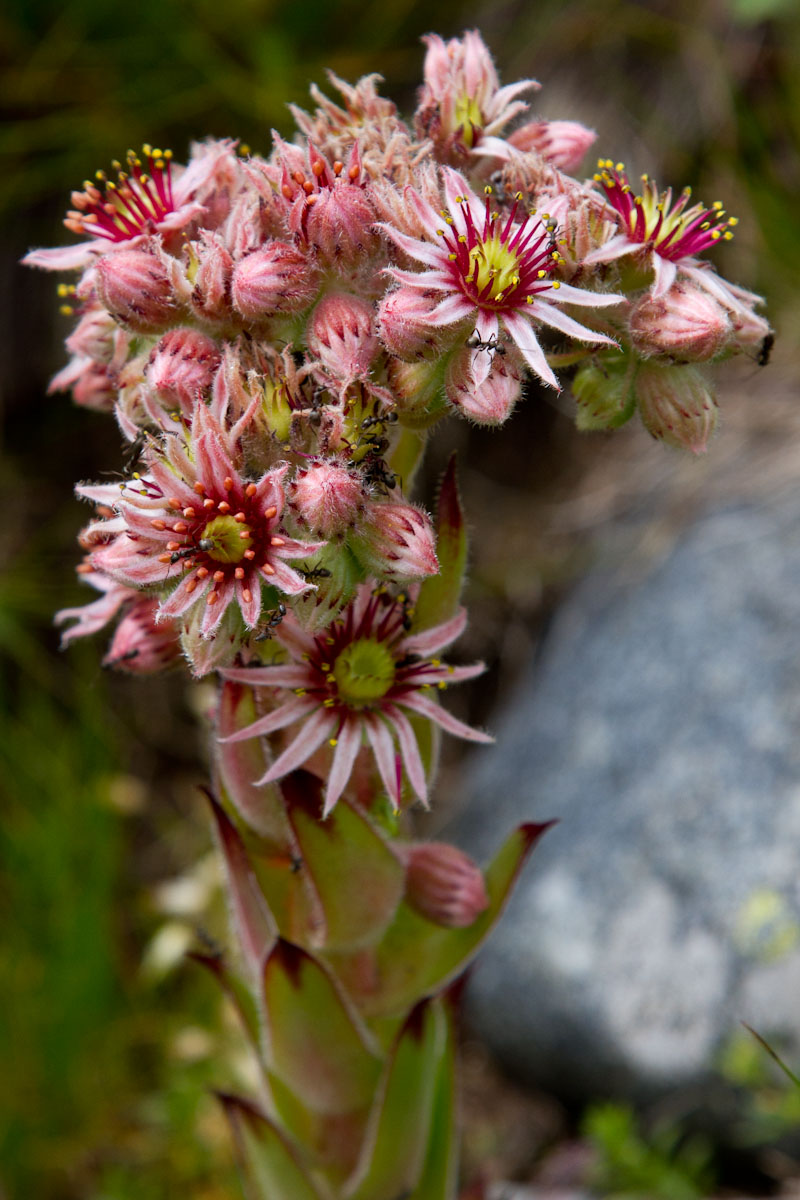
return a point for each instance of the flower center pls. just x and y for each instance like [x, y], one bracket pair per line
[140, 198]
[499, 264]
[468, 118]
[225, 537]
[364, 672]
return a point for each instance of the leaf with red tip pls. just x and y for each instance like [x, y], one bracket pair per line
[316, 1042]
[355, 873]
[254, 924]
[271, 1168]
[415, 957]
[239, 764]
[236, 991]
[439, 595]
[394, 1150]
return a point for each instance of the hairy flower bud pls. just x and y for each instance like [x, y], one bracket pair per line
[486, 397]
[95, 389]
[94, 336]
[327, 499]
[685, 324]
[562, 143]
[135, 288]
[141, 646]
[604, 394]
[210, 298]
[418, 391]
[276, 279]
[340, 334]
[395, 542]
[676, 406]
[444, 884]
[404, 326]
[339, 226]
[181, 367]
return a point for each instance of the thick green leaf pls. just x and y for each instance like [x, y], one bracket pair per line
[439, 1180]
[394, 1150]
[415, 957]
[439, 595]
[270, 1167]
[253, 923]
[236, 991]
[316, 1043]
[238, 764]
[331, 1141]
[355, 873]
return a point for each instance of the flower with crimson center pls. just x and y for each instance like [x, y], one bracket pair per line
[492, 269]
[146, 198]
[354, 680]
[197, 517]
[670, 233]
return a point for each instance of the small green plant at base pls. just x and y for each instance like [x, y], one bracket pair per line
[664, 1164]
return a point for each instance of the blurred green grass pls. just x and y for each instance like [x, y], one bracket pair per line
[96, 1104]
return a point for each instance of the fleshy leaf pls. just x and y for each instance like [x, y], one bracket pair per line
[236, 991]
[255, 927]
[356, 875]
[238, 764]
[317, 1044]
[439, 1180]
[394, 1150]
[439, 595]
[415, 957]
[270, 1167]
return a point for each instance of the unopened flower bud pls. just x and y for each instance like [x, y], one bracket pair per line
[327, 499]
[141, 646]
[490, 401]
[93, 336]
[396, 542]
[604, 394]
[339, 226]
[276, 279]
[404, 326]
[676, 406]
[210, 298]
[444, 884]
[562, 143]
[340, 334]
[750, 331]
[685, 324]
[94, 389]
[418, 389]
[135, 288]
[182, 366]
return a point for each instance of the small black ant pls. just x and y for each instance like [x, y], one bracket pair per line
[765, 350]
[492, 345]
[312, 573]
[274, 619]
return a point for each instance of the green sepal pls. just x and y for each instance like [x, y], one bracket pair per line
[439, 595]
[604, 393]
[270, 1166]
[356, 875]
[416, 957]
[316, 1042]
[394, 1151]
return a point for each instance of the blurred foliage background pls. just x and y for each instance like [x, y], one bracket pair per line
[109, 1044]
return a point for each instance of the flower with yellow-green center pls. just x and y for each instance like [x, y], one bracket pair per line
[357, 682]
[495, 269]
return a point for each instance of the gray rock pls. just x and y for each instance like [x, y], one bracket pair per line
[660, 725]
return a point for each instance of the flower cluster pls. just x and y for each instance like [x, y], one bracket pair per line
[272, 333]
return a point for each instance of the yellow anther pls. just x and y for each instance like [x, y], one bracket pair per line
[440, 233]
[442, 686]
[436, 662]
[462, 237]
[541, 274]
[487, 191]
[146, 149]
[452, 257]
[329, 703]
[733, 220]
[726, 237]
[556, 283]
[499, 297]
[299, 691]
[66, 310]
[333, 741]
[518, 195]
[529, 299]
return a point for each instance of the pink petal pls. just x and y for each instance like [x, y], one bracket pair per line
[287, 675]
[410, 752]
[548, 314]
[430, 709]
[523, 334]
[383, 749]
[184, 596]
[250, 609]
[279, 718]
[436, 638]
[567, 294]
[313, 733]
[347, 748]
